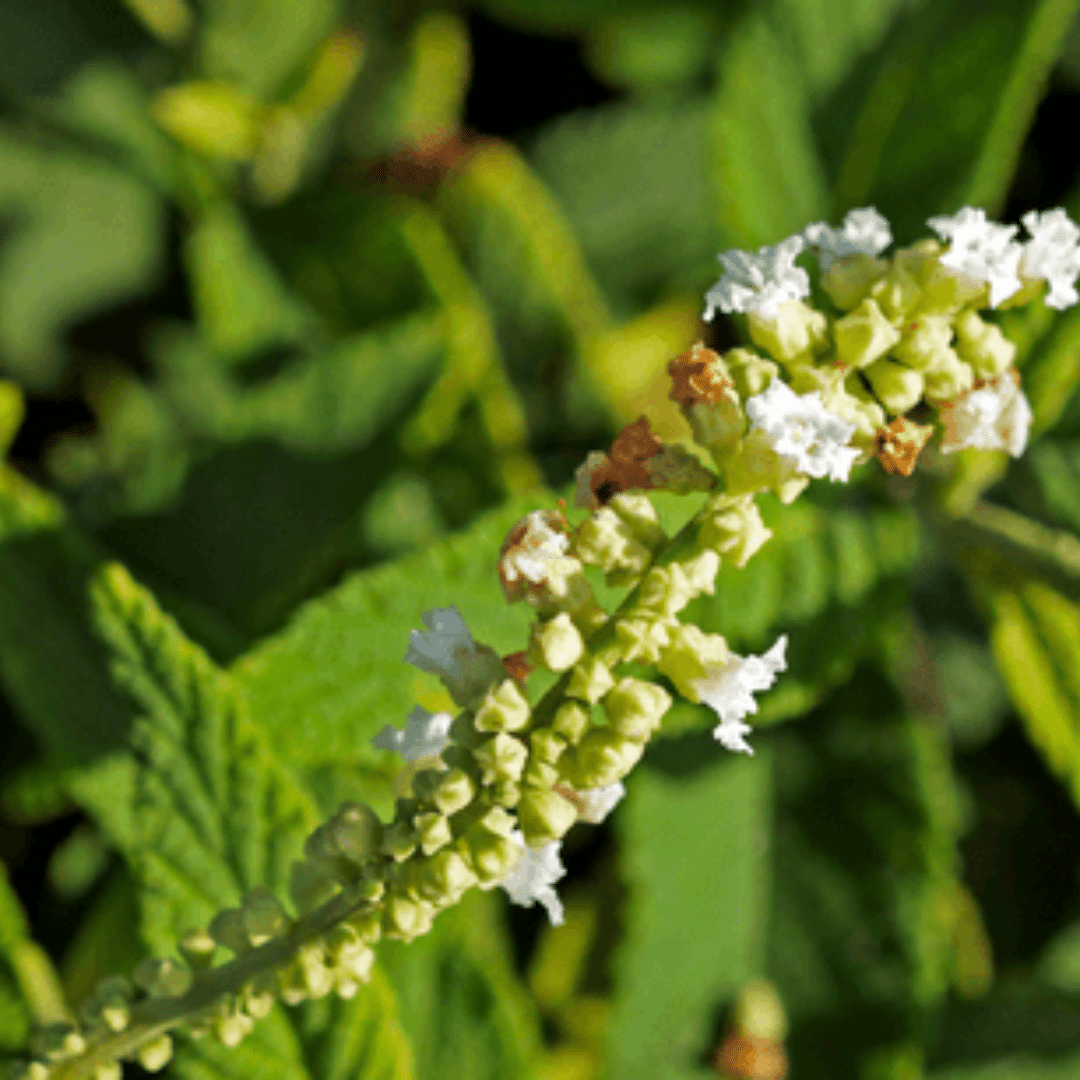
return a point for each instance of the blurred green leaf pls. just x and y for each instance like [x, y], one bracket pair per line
[215, 812]
[461, 1003]
[57, 201]
[865, 876]
[945, 106]
[259, 46]
[328, 683]
[693, 853]
[768, 179]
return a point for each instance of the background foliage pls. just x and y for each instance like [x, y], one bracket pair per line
[304, 302]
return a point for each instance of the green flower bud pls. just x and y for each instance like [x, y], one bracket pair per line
[368, 925]
[731, 526]
[197, 948]
[850, 277]
[445, 877]
[983, 346]
[258, 996]
[318, 979]
[571, 721]
[503, 709]
[539, 774]
[590, 680]
[264, 917]
[505, 793]
[546, 744]
[604, 539]
[947, 381]
[898, 387]
[355, 960]
[637, 640]
[405, 919]
[457, 757]
[163, 978]
[864, 335]
[492, 854]
[356, 831]
[925, 342]
[666, 590]
[104, 1070]
[717, 426]
[752, 373]
[545, 816]
[897, 292]
[454, 792]
[635, 707]
[228, 930]
[797, 328]
[758, 467]
[637, 512]
[690, 657]
[114, 996]
[433, 831]
[155, 1054]
[556, 643]
[232, 1027]
[602, 757]
[370, 886]
[463, 734]
[399, 840]
[502, 757]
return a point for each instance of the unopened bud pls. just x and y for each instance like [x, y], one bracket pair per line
[505, 793]
[311, 883]
[104, 1070]
[898, 387]
[228, 930]
[399, 840]
[433, 831]
[502, 757]
[264, 917]
[197, 948]
[948, 380]
[356, 831]
[635, 708]
[405, 919]
[545, 816]
[731, 525]
[162, 978]
[796, 329]
[445, 877]
[926, 342]
[155, 1054]
[864, 335]
[492, 854]
[57, 1041]
[556, 643]
[590, 680]
[602, 757]
[538, 774]
[983, 346]
[546, 745]
[571, 721]
[850, 278]
[503, 709]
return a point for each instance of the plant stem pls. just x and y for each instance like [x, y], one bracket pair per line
[156, 1016]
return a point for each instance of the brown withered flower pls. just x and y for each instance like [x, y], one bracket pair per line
[899, 443]
[698, 377]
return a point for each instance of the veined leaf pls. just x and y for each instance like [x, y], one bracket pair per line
[335, 675]
[462, 1005]
[945, 106]
[865, 876]
[216, 814]
[694, 857]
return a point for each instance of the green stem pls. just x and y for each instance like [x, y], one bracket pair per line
[152, 1018]
[1054, 553]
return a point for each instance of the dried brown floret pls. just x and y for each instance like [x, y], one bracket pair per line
[898, 444]
[698, 376]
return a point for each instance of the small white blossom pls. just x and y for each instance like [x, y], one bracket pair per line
[597, 803]
[426, 735]
[534, 876]
[448, 650]
[729, 691]
[801, 428]
[531, 555]
[760, 282]
[984, 249]
[1052, 253]
[864, 232]
[996, 416]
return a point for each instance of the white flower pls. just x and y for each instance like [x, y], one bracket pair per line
[426, 735]
[597, 803]
[864, 232]
[447, 649]
[759, 282]
[995, 416]
[729, 691]
[984, 249]
[801, 428]
[534, 876]
[535, 548]
[1052, 253]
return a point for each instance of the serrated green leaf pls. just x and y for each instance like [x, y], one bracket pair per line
[865, 878]
[692, 853]
[335, 675]
[1035, 636]
[65, 202]
[945, 107]
[768, 179]
[259, 47]
[215, 813]
[462, 1005]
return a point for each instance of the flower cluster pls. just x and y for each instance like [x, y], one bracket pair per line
[488, 795]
